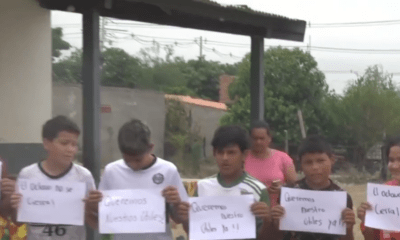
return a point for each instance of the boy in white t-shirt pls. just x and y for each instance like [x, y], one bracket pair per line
[139, 169]
[231, 145]
[60, 140]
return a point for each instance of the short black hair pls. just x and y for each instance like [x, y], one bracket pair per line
[391, 142]
[315, 144]
[231, 134]
[260, 124]
[134, 138]
[54, 126]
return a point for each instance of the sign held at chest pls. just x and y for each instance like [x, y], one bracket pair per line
[51, 202]
[313, 211]
[222, 217]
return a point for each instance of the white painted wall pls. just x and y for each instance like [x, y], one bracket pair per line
[25, 70]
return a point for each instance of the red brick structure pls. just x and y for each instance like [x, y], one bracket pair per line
[224, 82]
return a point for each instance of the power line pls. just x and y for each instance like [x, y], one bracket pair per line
[383, 22]
[351, 72]
[177, 41]
[220, 53]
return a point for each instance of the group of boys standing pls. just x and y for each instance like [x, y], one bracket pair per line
[140, 169]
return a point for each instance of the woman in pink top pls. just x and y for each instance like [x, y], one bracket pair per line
[270, 166]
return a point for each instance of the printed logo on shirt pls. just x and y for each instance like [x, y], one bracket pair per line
[158, 178]
[244, 192]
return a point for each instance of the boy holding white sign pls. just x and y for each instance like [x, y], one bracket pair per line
[140, 169]
[316, 158]
[230, 146]
[393, 154]
[60, 140]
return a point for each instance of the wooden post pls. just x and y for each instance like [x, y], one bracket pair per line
[301, 121]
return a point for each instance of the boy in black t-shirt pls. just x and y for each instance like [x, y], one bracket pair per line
[316, 159]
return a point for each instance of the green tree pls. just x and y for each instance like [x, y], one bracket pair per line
[164, 73]
[230, 69]
[121, 69]
[169, 74]
[368, 110]
[292, 82]
[58, 43]
[174, 75]
[203, 78]
[182, 136]
[69, 69]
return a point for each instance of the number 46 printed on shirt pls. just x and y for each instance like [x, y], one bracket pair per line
[54, 230]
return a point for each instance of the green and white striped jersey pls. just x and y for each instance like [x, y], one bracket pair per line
[246, 184]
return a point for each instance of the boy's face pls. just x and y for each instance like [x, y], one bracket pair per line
[260, 139]
[63, 148]
[317, 168]
[394, 162]
[230, 160]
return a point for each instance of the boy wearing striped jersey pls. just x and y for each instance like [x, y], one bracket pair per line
[140, 169]
[60, 140]
[230, 146]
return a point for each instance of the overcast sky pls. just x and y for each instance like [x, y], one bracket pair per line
[365, 36]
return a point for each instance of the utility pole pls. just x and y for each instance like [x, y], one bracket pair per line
[384, 167]
[309, 37]
[286, 142]
[301, 122]
[103, 34]
[201, 48]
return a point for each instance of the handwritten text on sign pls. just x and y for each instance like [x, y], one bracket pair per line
[313, 211]
[385, 204]
[132, 211]
[51, 202]
[222, 217]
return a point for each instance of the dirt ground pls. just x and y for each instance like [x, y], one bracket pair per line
[357, 192]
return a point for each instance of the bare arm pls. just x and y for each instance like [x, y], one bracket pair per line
[92, 208]
[290, 174]
[269, 231]
[349, 218]
[277, 213]
[91, 219]
[349, 235]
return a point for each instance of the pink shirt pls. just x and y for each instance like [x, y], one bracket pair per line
[269, 169]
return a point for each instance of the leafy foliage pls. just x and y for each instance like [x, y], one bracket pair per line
[368, 110]
[58, 43]
[120, 69]
[169, 74]
[69, 69]
[292, 82]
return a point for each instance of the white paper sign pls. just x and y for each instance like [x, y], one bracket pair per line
[385, 202]
[313, 211]
[222, 217]
[132, 211]
[51, 202]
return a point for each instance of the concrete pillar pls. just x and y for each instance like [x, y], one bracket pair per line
[257, 78]
[25, 70]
